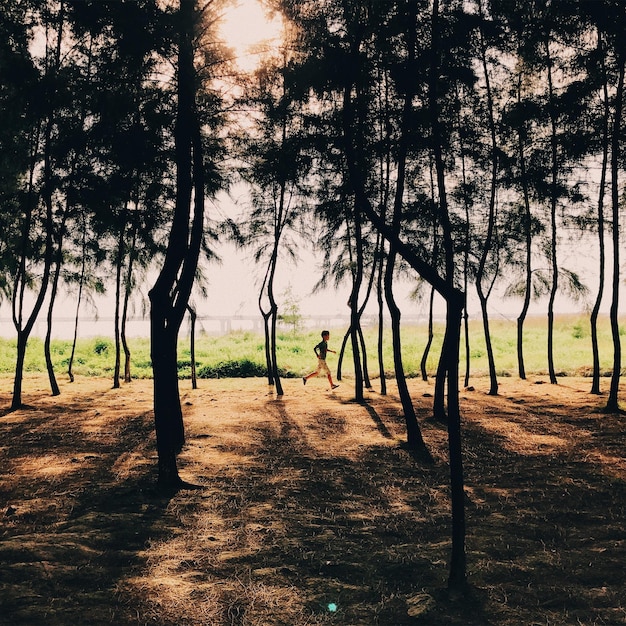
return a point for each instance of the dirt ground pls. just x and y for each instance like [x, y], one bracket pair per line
[309, 510]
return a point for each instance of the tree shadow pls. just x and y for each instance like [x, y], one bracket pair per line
[82, 504]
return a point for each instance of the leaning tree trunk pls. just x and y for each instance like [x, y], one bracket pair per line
[381, 317]
[128, 284]
[118, 295]
[593, 320]
[415, 440]
[81, 283]
[170, 294]
[192, 345]
[553, 225]
[612, 404]
[528, 240]
[430, 336]
[354, 309]
[491, 217]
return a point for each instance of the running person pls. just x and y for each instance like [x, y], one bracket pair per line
[321, 349]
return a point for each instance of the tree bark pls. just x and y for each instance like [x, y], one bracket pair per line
[170, 294]
[612, 404]
[593, 320]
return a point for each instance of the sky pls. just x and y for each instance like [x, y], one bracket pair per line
[233, 285]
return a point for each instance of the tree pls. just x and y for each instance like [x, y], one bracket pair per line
[275, 165]
[170, 293]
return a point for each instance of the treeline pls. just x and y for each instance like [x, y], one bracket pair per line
[459, 140]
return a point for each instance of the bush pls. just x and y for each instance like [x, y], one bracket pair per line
[101, 346]
[244, 368]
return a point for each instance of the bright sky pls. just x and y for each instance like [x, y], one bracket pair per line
[247, 26]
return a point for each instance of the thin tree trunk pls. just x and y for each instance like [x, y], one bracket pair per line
[612, 404]
[381, 318]
[54, 386]
[118, 296]
[429, 341]
[593, 320]
[81, 283]
[128, 284]
[553, 226]
[487, 246]
[415, 440]
[528, 234]
[192, 345]
[455, 301]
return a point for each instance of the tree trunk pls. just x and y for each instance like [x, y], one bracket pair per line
[429, 341]
[81, 283]
[170, 294]
[457, 579]
[612, 404]
[593, 320]
[487, 246]
[415, 440]
[192, 345]
[381, 318]
[54, 386]
[118, 295]
[528, 235]
[553, 226]
[128, 284]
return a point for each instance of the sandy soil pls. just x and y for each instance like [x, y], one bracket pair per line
[309, 510]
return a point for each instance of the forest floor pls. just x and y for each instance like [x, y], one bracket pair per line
[309, 509]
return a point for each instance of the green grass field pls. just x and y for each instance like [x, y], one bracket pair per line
[242, 353]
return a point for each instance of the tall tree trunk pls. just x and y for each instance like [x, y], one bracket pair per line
[170, 294]
[455, 301]
[381, 317]
[21, 278]
[81, 282]
[415, 440]
[128, 287]
[119, 261]
[593, 320]
[54, 386]
[553, 225]
[354, 308]
[488, 243]
[528, 237]
[612, 404]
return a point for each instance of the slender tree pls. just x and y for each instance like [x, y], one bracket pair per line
[170, 293]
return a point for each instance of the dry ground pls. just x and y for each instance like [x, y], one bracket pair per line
[310, 510]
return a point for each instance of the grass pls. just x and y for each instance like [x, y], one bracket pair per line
[242, 353]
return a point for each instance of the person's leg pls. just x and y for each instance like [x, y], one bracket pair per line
[315, 373]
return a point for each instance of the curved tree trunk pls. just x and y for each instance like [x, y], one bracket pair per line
[381, 318]
[612, 404]
[170, 294]
[593, 320]
[128, 285]
[488, 243]
[81, 282]
[54, 386]
[528, 239]
[553, 224]
[429, 340]
[118, 296]
[192, 345]
[415, 440]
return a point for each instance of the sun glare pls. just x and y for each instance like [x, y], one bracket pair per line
[249, 30]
